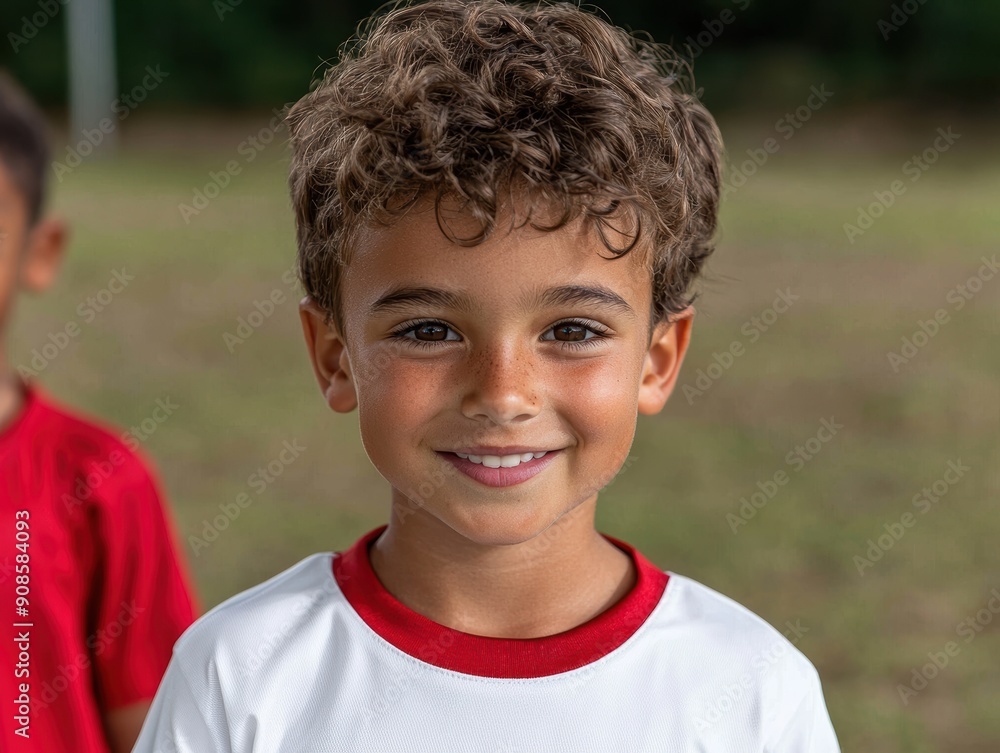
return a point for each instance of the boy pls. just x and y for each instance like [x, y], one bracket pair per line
[93, 593]
[499, 210]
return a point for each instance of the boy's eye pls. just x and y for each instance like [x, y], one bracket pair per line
[577, 333]
[430, 331]
[570, 332]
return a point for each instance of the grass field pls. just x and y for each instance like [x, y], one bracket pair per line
[826, 357]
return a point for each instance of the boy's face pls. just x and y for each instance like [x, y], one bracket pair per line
[29, 253]
[501, 366]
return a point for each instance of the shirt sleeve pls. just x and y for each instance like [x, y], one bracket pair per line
[184, 717]
[141, 598]
[809, 730]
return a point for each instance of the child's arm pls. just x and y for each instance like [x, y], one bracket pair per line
[141, 602]
[122, 726]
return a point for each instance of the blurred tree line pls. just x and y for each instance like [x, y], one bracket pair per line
[262, 53]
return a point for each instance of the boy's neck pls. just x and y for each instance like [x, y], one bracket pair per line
[553, 583]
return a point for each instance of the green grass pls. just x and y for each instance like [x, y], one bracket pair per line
[825, 357]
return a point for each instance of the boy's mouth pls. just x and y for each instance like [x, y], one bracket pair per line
[506, 460]
[501, 470]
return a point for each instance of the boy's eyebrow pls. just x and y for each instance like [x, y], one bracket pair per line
[408, 297]
[565, 295]
[403, 298]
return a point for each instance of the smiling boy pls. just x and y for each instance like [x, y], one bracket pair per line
[500, 211]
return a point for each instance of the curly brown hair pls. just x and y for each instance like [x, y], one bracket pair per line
[473, 99]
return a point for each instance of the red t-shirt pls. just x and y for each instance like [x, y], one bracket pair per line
[93, 594]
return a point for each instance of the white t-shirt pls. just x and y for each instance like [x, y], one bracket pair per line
[323, 658]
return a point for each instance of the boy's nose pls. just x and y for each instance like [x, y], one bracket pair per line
[501, 386]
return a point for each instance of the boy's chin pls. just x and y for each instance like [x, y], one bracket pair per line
[506, 527]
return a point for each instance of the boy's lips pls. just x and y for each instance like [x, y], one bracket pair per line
[502, 476]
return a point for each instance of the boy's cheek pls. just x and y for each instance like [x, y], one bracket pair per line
[393, 403]
[604, 385]
[377, 372]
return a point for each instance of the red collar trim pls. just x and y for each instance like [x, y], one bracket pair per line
[444, 647]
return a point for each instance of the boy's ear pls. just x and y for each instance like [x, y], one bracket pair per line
[663, 361]
[328, 353]
[45, 249]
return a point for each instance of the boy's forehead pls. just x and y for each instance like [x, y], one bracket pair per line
[12, 198]
[412, 261]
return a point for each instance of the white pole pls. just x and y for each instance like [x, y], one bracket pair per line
[92, 77]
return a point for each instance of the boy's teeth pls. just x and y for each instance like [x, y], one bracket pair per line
[502, 461]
